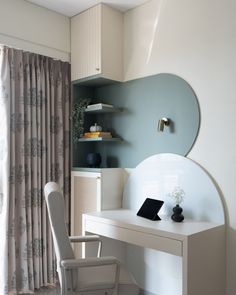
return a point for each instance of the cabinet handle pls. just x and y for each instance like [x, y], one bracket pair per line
[98, 177]
[97, 69]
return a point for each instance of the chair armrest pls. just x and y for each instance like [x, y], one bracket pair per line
[80, 239]
[87, 262]
[89, 238]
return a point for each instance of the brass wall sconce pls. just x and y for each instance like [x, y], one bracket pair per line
[162, 123]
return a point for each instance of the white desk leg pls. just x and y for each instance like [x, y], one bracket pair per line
[204, 263]
[83, 234]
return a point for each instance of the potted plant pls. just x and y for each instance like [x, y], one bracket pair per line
[78, 118]
[178, 196]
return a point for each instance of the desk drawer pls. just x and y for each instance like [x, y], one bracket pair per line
[135, 237]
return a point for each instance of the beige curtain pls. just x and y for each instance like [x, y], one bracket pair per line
[36, 98]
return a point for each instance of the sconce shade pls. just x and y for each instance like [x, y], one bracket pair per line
[162, 123]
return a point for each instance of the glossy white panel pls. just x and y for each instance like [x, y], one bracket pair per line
[157, 176]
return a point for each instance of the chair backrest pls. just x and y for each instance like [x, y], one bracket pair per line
[55, 207]
[94, 278]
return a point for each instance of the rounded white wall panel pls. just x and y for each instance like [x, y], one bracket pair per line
[157, 176]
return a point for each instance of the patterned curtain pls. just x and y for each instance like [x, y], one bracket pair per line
[34, 149]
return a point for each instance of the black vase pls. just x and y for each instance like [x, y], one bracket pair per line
[93, 160]
[177, 216]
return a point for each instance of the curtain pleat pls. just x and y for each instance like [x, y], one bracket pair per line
[39, 151]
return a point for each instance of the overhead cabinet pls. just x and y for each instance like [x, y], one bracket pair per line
[97, 44]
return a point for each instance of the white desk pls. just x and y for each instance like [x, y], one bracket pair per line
[200, 244]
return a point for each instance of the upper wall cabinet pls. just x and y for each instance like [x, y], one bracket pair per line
[97, 44]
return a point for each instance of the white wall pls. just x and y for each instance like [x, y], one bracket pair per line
[196, 39]
[32, 28]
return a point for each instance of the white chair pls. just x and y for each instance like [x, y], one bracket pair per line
[88, 276]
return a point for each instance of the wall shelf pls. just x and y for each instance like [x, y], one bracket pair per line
[99, 139]
[103, 109]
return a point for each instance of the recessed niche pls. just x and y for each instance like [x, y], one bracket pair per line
[143, 102]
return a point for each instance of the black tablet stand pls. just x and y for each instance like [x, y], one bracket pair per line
[150, 209]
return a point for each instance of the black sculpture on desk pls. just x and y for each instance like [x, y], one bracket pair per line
[177, 216]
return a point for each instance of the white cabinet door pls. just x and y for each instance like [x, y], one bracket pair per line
[93, 192]
[97, 43]
[85, 197]
[86, 43]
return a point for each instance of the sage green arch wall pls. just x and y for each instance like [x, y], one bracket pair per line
[144, 101]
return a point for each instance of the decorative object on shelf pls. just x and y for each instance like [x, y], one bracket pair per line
[162, 123]
[178, 196]
[95, 128]
[78, 118]
[93, 160]
[97, 134]
[101, 108]
[98, 106]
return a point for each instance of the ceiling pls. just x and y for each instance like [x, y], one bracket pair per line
[73, 7]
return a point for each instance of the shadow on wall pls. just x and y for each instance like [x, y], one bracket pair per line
[222, 198]
[231, 246]
[150, 276]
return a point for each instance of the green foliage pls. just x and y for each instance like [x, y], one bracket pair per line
[78, 118]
